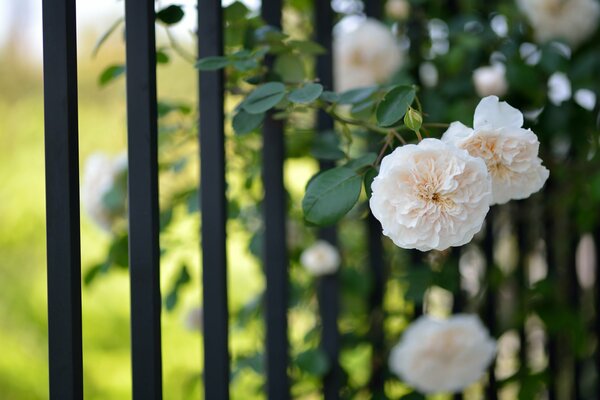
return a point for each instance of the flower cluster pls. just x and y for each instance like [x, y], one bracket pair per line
[570, 20]
[364, 55]
[104, 189]
[441, 356]
[321, 258]
[436, 194]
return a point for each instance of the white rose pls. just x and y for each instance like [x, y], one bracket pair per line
[509, 151]
[365, 55]
[399, 9]
[104, 189]
[193, 320]
[442, 356]
[571, 20]
[490, 80]
[321, 258]
[428, 74]
[559, 88]
[431, 195]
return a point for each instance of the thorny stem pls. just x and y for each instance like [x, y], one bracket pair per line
[356, 122]
[388, 141]
[419, 137]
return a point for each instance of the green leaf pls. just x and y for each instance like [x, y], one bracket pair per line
[170, 15]
[102, 39]
[368, 180]
[306, 94]
[394, 105]
[111, 73]
[172, 297]
[361, 162]
[264, 97]
[289, 67]
[307, 47]
[314, 362]
[327, 147]
[413, 119]
[244, 122]
[330, 97]
[245, 64]
[235, 11]
[212, 63]
[269, 34]
[354, 96]
[166, 107]
[330, 195]
[162, 57]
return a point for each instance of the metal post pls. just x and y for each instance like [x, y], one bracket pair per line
[213, 200]
[62, 200]
[144, 252]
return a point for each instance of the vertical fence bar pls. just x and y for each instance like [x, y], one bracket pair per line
[328, 289]
[377, 334]
[275, 251]
[521, 211]
[213, 200]
[144, 257]
[489, 311]
[549, 239]
[373, 9]
[62, 200]
[596, 327]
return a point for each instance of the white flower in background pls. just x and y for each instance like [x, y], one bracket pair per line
[365, 55]
[428, 74]
[431, 195]
[499, 25]
[571, 20]
[398, 9]
[443, 356]
[509, 151]
[193, 320]
[530, 53]
[321, 258]
[585, 98]
[104, 189]
[490, 80]
[559, 88]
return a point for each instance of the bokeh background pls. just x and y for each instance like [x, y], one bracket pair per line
[561, 301]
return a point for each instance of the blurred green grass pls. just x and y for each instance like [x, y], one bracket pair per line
[23, 320]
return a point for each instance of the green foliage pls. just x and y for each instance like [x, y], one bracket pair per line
[394, 105]
[330, 195]
[170, 15]
[111, 73]
[183, 278]
[306, 93]
[314, 362]
[264, 97]
[244, 122]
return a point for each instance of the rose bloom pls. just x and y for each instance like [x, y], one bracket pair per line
[443, 356]
[104, 189]
[193, 319]
[431, 195]
[364, 56]
[571, 20]
[321, 258]
[399, 9]
[490, 80]
[509, 151]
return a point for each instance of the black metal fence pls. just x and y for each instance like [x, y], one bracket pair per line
[63, 236]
